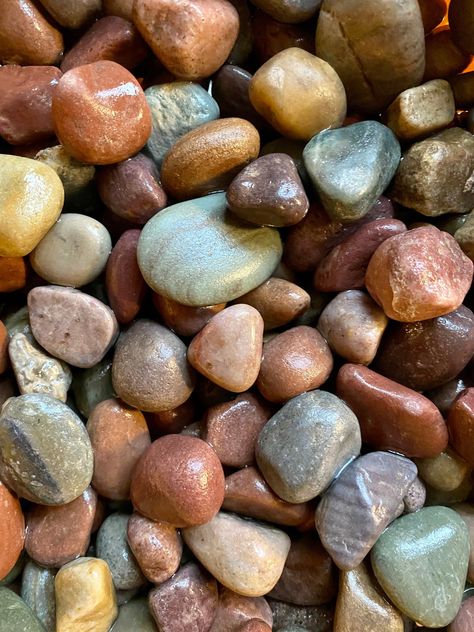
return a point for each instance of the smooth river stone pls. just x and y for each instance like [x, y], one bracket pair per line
[81, 341]
[85, 596]
[45, 452]
[12, 274]
[183, 319]
[362, 607]
[345, 518]
[12, 531]
[464, 621]
[461, 425]
[445, 472]
[31, 199]
[421, 563]
[198, 254]
[92, 386]
[351, 166]
[235, 611]
[306, 443]
[290, 618]
[245, 556]
[16, 615]
[466, 511]
[37, 590]
[135, 615]
[72, 15]
[176, 109]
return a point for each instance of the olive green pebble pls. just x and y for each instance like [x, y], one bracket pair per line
[16, 615]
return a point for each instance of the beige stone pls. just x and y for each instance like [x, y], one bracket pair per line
[445, 472]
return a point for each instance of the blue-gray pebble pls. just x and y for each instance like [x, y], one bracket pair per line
[37, 590]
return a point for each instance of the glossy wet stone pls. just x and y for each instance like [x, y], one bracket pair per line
[101, 101]
[187, 601]
[37, 590]
[306, 443]
[361, 604]
[16, 615]
[183, 319]
[428, 353]
[245, 556]
[93, 386]
[85, 596]
[119, 436]
[461, 424]
[444, 472]
[298, 94]
[293, 362]
[12, 274]
[351, 166]
[228, 349]
[45, 452]
[421, 563]
[12, 530]
[178, 480]
[419, 275]
[205, 262]
[135, 613]
[345, 518]
[82, 341]
[414, 426]
[150, 370]
[57, 535]
[31, 200]
[422, 181]
[235, 611]
[348, 42]
[75, 15]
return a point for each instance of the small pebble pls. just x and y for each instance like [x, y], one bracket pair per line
[444, 472]
[466, 511]
[12, 531]
[92, 386]
[415, 497]
[184, 320]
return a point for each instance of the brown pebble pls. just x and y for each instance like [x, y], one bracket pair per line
[271, 37]
[122, 8]
[461, 20]
[178, 480]
[57, 535]
[172, 421]
[293, 362]
[461, 425]
[463, 89]
[208, 157]
[464, 621]
[119, 436]
[100, 113]
[12, 274]
[4, 340]
[12, 530]
[72, 15]
[466, 511]
[432, 13]
[255, 625]
[184, 320]
[443, 58]
[157, 547]
[234, 611]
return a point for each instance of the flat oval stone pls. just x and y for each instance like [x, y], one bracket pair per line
[234, 611]
[150, 370]
[134, 613]
[421, 563]
[245, 556]
[85, 596]
[184, 320]
[37, 590]
[12, 530]
[207, 158]
[461, 425]
[82, 341]
[197, 254]
[31, 200]
[306, 443]
[345, 518]
[178, 480]
[351, 166]
[45, 452]
[15, 614]
[414, 427]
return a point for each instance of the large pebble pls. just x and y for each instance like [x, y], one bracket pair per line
[46, 455]
[196, 254]
[306, 443]
[31, 199]
[12, 530]
[37, 590]
[245, 556]
[16, 615]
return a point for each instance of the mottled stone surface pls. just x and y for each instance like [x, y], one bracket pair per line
[12, 530]
[235, 611]
[16, 615]
[461, 425]
[291, 618]
[415, 496]
[37, 590]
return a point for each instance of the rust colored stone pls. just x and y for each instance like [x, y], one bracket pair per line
[4, 339]
[235, 611]
[12, 274]
[391, 416]
[12, 530]
[184, 320]
[255, 625]
[271, 36]
[461, 425]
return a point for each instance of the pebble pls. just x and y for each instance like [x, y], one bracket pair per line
[464, 620]
[207, 158]
[85, 596]
[434, 177]
[461, 425]
[428, 353]
[293, 362]
[191, 48]
[81, 341]
[346, 520]
[25, 103]
[298, 94]
[461, 20]
[74, 252]
[255, 625]
[458, 495]
[351, 166]
[445, 472]
[119, 436]
[464, 235]
[45, 452]
[57, 535]
[271, 37]
[178, 480]
[100, 113]
[188, 601]
[414, 427]
[16, 615]
[444, 59]
[421, 563]
[306, 443]
[420, 111]
[288, 11]
[246, 557]
[195, 254]
[134, 614]
[26, 36]
[419, 274]
[291, 618]
[92, 386]
[235, 611]
[183, 319]
[37, 590]
[268, 192]
[150, 370]
[12, 531]
[156, 546]
[31, 200]
[228, 350]
[463, 89]
[73, 16]
[415, 497]
[353, 325]
[466, 511]
[348, 42]
[12, 274]
[362, 606]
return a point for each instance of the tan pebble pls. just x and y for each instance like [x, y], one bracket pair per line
[72, 15]
[443, 58]
[444, 472]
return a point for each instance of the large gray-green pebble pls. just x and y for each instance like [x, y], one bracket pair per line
[197, 253]
[15, 614]
[37, 590]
